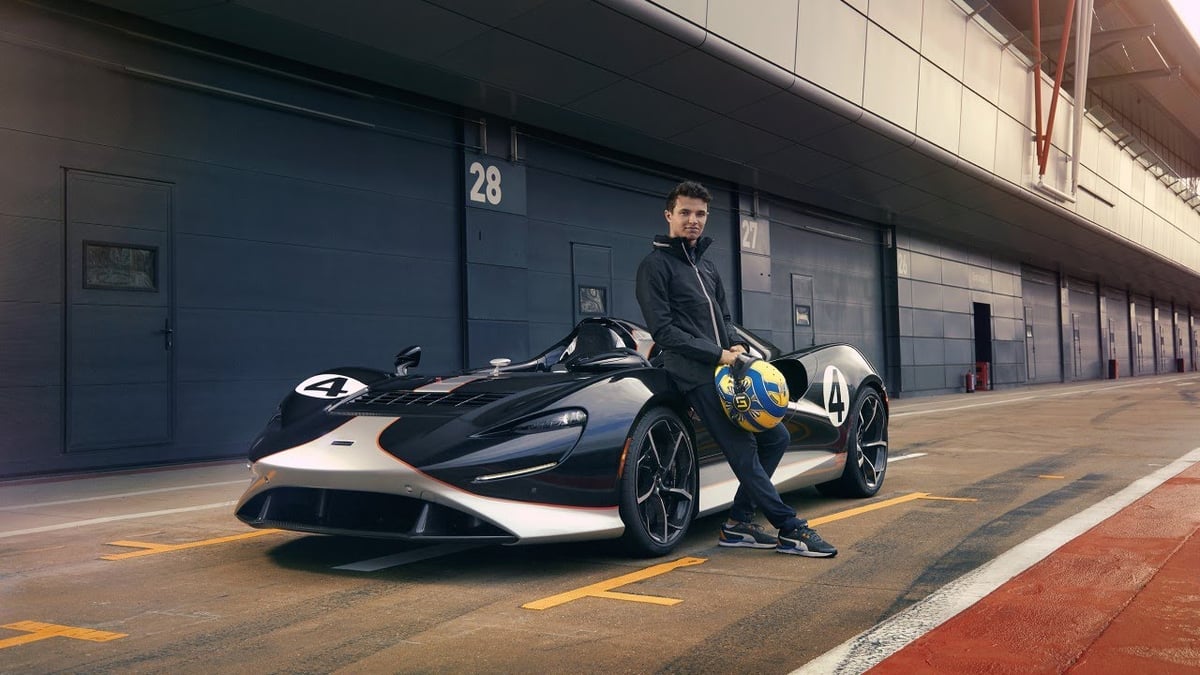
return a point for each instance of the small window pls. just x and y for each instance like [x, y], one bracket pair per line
[803, 315]
[120, 267]
[592, 301]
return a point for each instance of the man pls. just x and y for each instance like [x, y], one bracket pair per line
[683, 302]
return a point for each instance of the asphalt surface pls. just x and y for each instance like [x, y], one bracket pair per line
[190, 589]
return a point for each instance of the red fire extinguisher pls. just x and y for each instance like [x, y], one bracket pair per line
[970, 382]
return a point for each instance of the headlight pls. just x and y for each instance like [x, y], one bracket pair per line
[520, 447]
[555, 420]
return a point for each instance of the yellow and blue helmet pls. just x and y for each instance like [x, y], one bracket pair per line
[754, 394]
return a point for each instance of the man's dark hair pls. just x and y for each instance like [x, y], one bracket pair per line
[688, 188]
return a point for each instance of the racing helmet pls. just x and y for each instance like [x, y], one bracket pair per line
[753, 392]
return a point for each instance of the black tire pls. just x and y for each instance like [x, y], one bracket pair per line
[659, 484]
[866, 449]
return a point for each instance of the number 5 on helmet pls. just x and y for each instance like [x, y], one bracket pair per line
[753, 393]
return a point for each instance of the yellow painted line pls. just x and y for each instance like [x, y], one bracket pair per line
[36, 630]
[154, 549]
[1051, 477]
[603, 589]
[849, 513]
[634, 597]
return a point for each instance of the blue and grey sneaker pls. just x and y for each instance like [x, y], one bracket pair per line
[749, 535]
[806, 542]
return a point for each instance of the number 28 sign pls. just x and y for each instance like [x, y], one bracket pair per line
[492, 183]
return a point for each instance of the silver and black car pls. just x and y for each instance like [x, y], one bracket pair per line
[587, 440]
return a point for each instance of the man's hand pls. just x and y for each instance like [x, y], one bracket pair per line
[728, 356]
[738, 349]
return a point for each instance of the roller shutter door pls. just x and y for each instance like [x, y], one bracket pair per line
[1142, 333]
[1164, 339]
[1194, 340]
[574, 250]
[825, 288]
[1039, 290]
[1117, 330]
[1085, 358]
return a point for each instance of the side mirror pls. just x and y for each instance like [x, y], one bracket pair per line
[497, 364]
[409, 357]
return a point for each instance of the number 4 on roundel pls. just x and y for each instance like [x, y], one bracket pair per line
[329, 385]
[836, 392]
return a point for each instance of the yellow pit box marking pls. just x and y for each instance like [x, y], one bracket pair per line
[150, 548]
[604, 589]
[848, 513]
[36, 630]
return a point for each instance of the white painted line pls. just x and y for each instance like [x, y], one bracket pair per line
[124, 494]
[867, 649]
[376, 564]
[111, 519]
[1033, 397]
[901, 458]
[962, 407]
[1100, 389]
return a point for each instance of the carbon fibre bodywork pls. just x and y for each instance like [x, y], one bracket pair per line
[534, 451]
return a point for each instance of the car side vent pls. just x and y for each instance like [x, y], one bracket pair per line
[386, 402]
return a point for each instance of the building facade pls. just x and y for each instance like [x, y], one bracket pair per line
[201, 204]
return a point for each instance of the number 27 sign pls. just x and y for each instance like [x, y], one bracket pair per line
[492, 183]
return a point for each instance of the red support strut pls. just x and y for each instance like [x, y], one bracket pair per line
[1042, 140]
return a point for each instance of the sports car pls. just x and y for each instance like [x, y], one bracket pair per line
[587, 440]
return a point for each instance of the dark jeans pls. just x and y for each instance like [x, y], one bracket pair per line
[753, 458]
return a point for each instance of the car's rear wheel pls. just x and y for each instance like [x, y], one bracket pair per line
[659, 482]
[866, 449]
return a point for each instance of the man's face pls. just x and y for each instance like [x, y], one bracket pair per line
[687, 218]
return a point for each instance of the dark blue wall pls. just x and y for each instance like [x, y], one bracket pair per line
[298, 242]
[589, 221]
[845, 263]
[308, 226]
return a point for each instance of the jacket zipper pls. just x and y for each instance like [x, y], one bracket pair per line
[712, 312]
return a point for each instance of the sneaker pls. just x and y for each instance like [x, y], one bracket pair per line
[749, 535]
[806, 542]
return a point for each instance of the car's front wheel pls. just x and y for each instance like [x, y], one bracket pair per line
[866, 449]
[659, 484]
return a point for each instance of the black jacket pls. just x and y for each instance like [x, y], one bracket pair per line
[683, 303]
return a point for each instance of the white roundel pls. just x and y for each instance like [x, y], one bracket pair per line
[329, 386]
[836, 392]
